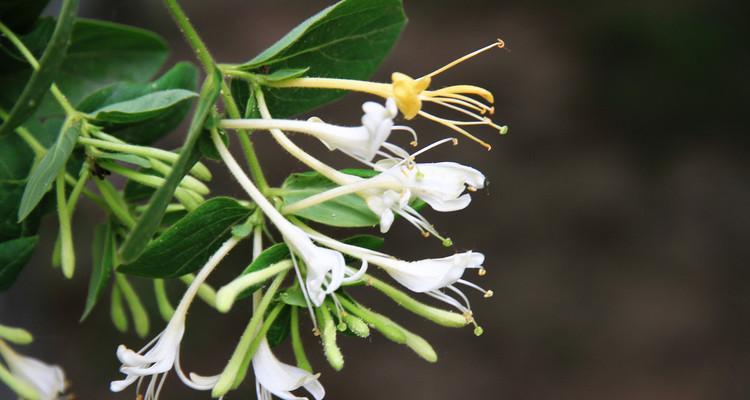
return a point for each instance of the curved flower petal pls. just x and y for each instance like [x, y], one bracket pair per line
[281, 379]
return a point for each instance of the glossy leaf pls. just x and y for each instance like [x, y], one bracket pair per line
[149, 222]
[185, 246]
[141, 108]
[293, 296]
[14, 254]
[102, 263]
[44, 173]
[41, 79]
[344, 211]
[347, 40]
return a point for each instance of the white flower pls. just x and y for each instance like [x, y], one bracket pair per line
[281, 379]
[153, 360]
[326, 268]
[47, 380]
[441, 185]
[362, 143]
[431, 276]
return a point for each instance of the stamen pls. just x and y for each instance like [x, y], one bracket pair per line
[467, 102]
[455, 128]
[471, 188]
[499, 44]
[463, 90]
[460, 294]
[482, 271]
[474, 286]
[488, 294]
[304, 290]
[407, 129]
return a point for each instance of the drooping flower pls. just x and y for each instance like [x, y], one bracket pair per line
[362, 143]
[154, 360]
[274, 377]
[430, 276]
[410, 94]
[326, 268]
[48, 381]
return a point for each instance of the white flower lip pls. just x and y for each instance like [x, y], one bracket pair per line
[281, 379]
[430, 274]
[47, 380]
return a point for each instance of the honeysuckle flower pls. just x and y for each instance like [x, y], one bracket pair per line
[326, 268]
[430, 276]
[48, 381]
[441, 185]
[162, 353]
[281, 379]
[410, 94]
[362, 143]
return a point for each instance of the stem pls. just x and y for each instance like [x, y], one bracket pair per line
[59, 96]
[191, 36]
[331, 194]
[294, 150]
[379, 89]
[205, 291]
[227, 379]
[244, 137]
[229, 292]
[272, 315]
[66, 233]
[297, 347]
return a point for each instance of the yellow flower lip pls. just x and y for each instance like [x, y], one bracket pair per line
[407, 92]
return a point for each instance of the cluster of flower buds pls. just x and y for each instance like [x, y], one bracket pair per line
[397, 185]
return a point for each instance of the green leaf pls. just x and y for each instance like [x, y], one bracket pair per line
[347, 40]
[283, 74]
[41, 79]
[344, 211]
[142, 108]
[14, 254]
[294, 297]
[279, 329]
[20, 15]
[102, 264]
[185, 246]
[183, 76]
[40, 180]
[271, 255]
[370, 242]
[189, 154]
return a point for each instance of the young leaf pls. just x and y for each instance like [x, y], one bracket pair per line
[183, 76]
[41, 79]
[344, 211]
[189, 154]
[40, 180]
[142, 108]
[185, 246]
[102, 264]
[347, 40]
[13, 256]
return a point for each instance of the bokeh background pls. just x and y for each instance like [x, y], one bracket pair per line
[615, 224]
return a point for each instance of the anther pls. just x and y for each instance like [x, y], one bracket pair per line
[500, 43]
[425, 234]
[482, 272]
[488, 294]
[413, 143]
[455, 141]
[316, 332]
[471, 188]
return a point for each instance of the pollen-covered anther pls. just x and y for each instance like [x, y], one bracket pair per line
[316, 331]
[455, 141]
[482, 271]
[471, 188]
[425, 234]
[488, 294]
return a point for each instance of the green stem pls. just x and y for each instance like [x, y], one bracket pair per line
[270, 318]
[227, 379]
[59, 96]
[244, 137]
[297, 347]
[162, 300]
[191, 36]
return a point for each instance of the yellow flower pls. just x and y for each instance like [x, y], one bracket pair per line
[411, 95]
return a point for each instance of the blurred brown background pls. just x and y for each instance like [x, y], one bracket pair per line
[615, 223]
